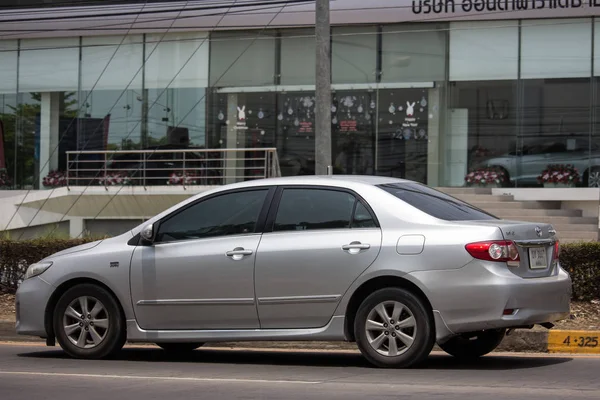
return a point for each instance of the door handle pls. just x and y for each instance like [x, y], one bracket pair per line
[238, 253]
[355, 247]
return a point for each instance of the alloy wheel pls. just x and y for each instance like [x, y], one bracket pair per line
[594, 178]
[86, 322]
[391, 328]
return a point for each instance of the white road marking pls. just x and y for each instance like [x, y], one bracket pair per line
[165, 378]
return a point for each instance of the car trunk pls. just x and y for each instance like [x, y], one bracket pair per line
[535, 244]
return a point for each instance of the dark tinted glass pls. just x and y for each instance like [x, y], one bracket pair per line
[362, 217]
[309, 209]
[229, 214]
[435, 203]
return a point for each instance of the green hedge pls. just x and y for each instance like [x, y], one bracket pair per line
[16, 256]
[582, 260]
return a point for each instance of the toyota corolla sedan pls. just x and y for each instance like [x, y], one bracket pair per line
[392, 265]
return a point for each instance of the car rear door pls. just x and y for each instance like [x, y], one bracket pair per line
[317, 241]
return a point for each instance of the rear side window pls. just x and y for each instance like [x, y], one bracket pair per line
[435, 203]
[317, 209]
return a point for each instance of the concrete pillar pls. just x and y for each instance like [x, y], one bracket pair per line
[76, 228]
[433, 134]
[234, 131]
[49, 133]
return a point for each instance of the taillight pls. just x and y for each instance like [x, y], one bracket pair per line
[556, 250]
[501, 251]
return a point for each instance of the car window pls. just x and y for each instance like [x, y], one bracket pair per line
[435, 203]
[311, 209]
[224, 215]
[362, 217]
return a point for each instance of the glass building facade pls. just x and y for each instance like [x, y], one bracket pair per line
[428, 101]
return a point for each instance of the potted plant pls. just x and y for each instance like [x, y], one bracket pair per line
[55, 179]
[114, 178]
[185, 178]
[559, 175]
[486, 177]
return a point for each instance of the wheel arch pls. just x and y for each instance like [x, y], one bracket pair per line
[61, 289]
[372, 285]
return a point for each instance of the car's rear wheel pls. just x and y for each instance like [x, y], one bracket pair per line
[473, 345]
[88, 322]
[394, 328]
[179, 347]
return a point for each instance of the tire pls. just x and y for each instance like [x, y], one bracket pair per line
[474, 345]
[418, 326]
[105, 334]
[179, 347]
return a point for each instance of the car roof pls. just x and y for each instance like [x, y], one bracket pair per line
[340, 180]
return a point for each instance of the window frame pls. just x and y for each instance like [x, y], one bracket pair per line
[274, 208]
[260, 223]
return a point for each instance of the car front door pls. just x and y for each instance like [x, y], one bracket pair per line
[199, 272]
[317, 241]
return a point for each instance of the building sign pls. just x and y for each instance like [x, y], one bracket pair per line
[125, 17]
[475, 6]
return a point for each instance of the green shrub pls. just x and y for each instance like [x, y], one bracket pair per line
[17, 255]
[582, 260]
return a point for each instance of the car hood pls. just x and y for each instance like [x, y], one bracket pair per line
[75, 249]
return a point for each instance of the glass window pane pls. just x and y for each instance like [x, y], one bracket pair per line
[597, 47]
[111, 63]
[8, 66]
[362, 217]
[353, 132]
[413, 53]
[49, 65]
[228, 214]
[311, 209]
[437, 204]
[242, 59]
[8, 141]
[496, 46]
[555, 127]
[482, 131]
[177, 60]
[354, 54]
[111, 82]
[298, 57]
[176, 79]
[556, 50]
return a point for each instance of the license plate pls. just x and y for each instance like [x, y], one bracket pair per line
[537, 258]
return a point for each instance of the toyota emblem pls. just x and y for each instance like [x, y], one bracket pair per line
[538, 231]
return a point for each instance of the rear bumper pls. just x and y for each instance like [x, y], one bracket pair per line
[475, 297]
[31, 300]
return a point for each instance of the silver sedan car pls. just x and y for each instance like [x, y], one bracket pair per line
[390, 264]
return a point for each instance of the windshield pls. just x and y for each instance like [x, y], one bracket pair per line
[436, 203]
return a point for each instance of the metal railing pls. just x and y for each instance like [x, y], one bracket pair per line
[184, 167]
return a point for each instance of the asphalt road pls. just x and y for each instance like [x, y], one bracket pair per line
[37, 372]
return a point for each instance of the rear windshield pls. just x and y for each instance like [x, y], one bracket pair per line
[435, 203]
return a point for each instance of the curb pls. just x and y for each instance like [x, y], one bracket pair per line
[518, 341]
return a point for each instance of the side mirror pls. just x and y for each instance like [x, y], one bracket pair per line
[147, 234]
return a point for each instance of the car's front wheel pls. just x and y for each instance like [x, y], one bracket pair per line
[179, 347]
[473, 345]
[393, 328]
[88, 322]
